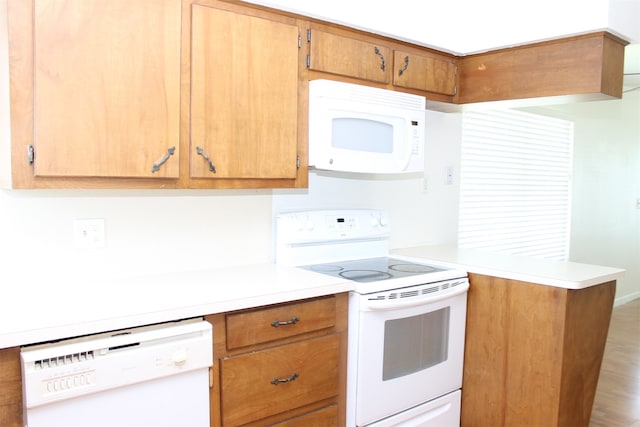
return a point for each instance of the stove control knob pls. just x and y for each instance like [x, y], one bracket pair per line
[296, 224]
[378, 221]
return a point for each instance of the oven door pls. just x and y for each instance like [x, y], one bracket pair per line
[409, 350]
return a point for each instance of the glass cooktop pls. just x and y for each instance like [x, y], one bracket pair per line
[372, 269]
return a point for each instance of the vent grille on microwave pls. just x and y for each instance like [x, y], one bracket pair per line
[365, 94]
[387, 98]
[432, 288]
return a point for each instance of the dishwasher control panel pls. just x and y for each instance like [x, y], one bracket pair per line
[71, 368]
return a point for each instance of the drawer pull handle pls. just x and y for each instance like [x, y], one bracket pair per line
[293, 321]
[277, 381]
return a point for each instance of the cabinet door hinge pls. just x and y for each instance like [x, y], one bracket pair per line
[297, 162]
[308, 41]
[299, 40]
[210, 377]
[31, 154]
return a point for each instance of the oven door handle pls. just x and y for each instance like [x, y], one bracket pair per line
[381, 305]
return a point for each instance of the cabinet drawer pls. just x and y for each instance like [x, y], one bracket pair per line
[263, 383]
[259, 326]
[324, 417]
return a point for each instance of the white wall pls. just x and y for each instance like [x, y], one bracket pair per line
[467, 26]
[147, 232]
[606, 187]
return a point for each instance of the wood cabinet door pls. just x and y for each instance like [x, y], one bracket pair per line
[10, 388]
[107, 87]
[244, 96]
[423, 72]
[345, 56]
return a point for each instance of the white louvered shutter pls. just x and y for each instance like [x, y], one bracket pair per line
[515, 194]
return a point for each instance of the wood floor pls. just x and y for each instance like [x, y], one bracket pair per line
[617, 401]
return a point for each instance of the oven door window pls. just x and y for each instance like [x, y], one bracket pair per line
[415, 343]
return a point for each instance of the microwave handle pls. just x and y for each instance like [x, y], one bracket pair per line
[407, 159]
[382, 305]
[405, 164]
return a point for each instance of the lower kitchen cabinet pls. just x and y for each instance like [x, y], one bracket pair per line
[282, 365]
[10, 388]
[532, 352]
[325, 417]
[271, 381]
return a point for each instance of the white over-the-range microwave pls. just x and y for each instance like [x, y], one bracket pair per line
[355, 128]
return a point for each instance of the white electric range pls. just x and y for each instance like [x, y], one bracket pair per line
[406, 318]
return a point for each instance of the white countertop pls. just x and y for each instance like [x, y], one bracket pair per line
[561, 274]
[32, 314]
[29, 315]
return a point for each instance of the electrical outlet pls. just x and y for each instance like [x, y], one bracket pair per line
[88, 233]
[448, 175]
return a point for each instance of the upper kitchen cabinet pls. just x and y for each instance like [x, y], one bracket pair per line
[426, 72]
[345, 55]
[586, 67]
[95, 90]
[244, 96]
[153, 94]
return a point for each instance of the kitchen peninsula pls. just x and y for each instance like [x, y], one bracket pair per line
[536, 329]
[535, 337]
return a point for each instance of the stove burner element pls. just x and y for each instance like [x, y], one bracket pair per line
[365, 276]
[412, 268]
[326, 268]
[370, 270]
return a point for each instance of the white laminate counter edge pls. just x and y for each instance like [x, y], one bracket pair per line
[561, 274]
[119, 304]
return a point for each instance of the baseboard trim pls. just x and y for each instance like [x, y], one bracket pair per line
[625, 299]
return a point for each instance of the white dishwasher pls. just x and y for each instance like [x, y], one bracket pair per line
[149, 376]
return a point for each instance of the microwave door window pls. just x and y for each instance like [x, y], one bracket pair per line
[363, 135]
